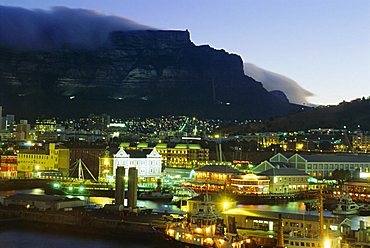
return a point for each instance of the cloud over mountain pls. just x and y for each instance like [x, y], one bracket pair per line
[274, 81]
[59, 26]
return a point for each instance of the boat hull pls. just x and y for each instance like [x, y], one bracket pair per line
[172, 242]
[340, 212]
[364, 212]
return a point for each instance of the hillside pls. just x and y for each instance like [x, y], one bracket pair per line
[350, 114]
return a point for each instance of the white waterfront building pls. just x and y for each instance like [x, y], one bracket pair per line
[318, 165]
[147, 162]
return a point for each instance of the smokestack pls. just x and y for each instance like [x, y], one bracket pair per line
[120, 186]
[132, 188]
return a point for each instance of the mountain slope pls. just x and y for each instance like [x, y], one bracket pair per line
[136, 73]
[350, 114]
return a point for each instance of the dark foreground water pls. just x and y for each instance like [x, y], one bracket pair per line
[25, 238]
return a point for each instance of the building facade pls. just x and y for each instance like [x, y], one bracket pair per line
[148, 164]
[286, 180]
[183, 155]
[361, 142]
[320, 165]
[8, 166]
[51, 159]
[250, 184]
[212, 178]
[23, 130]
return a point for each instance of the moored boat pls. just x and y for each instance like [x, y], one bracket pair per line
[205, 228]
[346, 206]
[364, 210]
[156, 196]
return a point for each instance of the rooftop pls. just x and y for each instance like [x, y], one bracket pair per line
[218, 169]
[275, 215]
[283, 172]
[138, 153]
[280, 164]
[359, 158]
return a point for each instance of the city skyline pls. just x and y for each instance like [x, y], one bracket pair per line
[321, 45]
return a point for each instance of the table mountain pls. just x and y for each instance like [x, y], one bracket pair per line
[136, 73]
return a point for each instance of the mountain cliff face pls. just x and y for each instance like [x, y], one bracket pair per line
[137, 73]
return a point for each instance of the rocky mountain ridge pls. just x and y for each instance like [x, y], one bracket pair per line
[137, 73]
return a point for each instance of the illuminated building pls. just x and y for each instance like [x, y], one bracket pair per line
[265, 140]
[299, 230]
[106, 167]
[322, 165]
[46, 126]
[358, 190]
[34, 161]
[46, 130]
[319, 165]
[250, 184]
[147, 162]
[183, 155]
[212, 178]
[361, 142]
[10, 122]
[286, 180]
[8, 166]
[98, 122]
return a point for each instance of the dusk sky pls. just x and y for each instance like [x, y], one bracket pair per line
[323, 45]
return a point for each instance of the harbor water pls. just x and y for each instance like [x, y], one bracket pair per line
[19, 238]
[14, 238]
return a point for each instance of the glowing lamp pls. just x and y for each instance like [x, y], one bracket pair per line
[327, 243]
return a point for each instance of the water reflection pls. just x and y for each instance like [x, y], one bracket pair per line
[36, 191]
[42, 239]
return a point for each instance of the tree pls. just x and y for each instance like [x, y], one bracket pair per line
[341, 175]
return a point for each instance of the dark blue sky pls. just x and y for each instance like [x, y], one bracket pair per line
[322, 44]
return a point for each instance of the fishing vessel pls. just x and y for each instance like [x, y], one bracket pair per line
[364, 210]
[205, 228]
[182, 194]
[346, 206]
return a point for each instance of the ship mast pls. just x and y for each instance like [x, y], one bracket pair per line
[321, 214]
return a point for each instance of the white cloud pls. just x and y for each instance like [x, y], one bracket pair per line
[274, 81]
